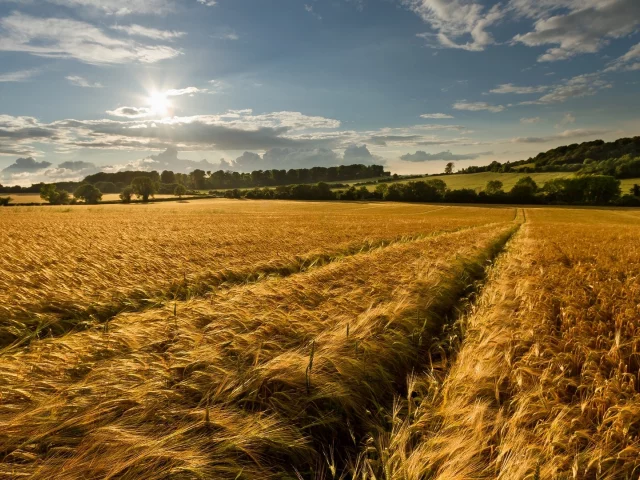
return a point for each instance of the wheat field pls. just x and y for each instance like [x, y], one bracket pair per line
[283, 340]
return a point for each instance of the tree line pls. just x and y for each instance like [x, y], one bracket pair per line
[619, 159]
[580, 190]
[199, 179]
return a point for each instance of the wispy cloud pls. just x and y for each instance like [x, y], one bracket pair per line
[478, 106]
[19, 76]
[421, 156]
[530, 120]
[455, 20]
[518, 90]
[436, 116]
[154, 33]
[568, 119]
[630, 61]
[577, 133]
[65, 38]
[121, 7]
[586, 28]
[82, 82]
[309, 8]
[176, 92]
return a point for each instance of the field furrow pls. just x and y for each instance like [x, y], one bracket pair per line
[545, 383]
[250, 381]
[61, 268]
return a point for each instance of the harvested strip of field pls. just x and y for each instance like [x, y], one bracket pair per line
[546, 382]
[248, 382]
[61, 265]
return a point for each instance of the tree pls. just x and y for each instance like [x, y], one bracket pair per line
[635, 190]
[167, 176]
[198, 177]
[144, 188]
[54, 196]
[107, 187]
[524, 190]
[4, 201]
[179, 191]
[494, 187]
[126, 194]
[88, 193]
[448, 169]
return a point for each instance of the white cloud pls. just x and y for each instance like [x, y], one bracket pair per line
[208, 3]
[120, 7]
[140, 31]
[184, 91]
[232, 130]
[530, 120]
[422, 156]
[309, 8]
[580, 86]
[436, 115]
[65, 38]
[630, 61]
[514, 89]
[19, 76]
[577, 133]
[477, 106]
[454, 20]
[568, 119]
[131, 112]
[225, 33]
[82, 82]
[586, 28]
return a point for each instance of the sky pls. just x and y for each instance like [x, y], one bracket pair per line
[110, 85]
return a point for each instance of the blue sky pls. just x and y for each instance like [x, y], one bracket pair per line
[89, 85]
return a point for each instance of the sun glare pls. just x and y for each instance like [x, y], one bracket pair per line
[160, 104]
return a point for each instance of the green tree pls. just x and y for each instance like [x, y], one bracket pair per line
[494, 187]
[448, 168]
[179, 191]
[107, 187]
[167, 176]
[524, 190]
[197, 177]
[4, 201]
[144, 188]
[527, 182]
[126, 194]
[381, 190]
[51, 194]
[88, 193]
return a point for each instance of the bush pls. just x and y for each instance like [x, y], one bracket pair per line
[462, 195]
[107, 187]
[628, 201]
[126, 194]
[88, 193]
[589, 189]
[179, 191]
[4, 201]
[51, 194]
[144, 187]
[493, 187]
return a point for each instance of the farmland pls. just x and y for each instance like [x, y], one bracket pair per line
[478, 181]
[263, 339]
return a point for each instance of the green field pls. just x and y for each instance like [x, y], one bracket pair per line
[478, 181]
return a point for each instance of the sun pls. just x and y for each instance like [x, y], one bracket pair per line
[159, 104]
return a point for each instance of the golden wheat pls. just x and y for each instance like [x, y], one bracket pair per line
[247, 382]
[64, 267]
[545, 384]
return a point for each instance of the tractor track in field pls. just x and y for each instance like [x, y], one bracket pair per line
[74, 318]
